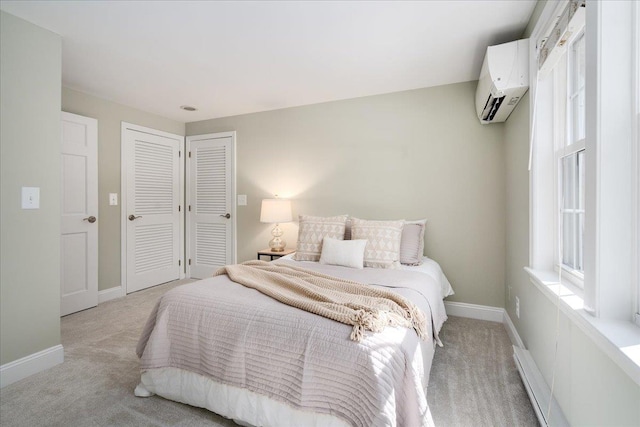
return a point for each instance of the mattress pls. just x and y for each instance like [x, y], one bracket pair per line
[230, 349]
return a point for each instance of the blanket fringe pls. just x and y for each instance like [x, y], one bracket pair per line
[357, 333]
[367, 320]
[364, 320]
[418, 322]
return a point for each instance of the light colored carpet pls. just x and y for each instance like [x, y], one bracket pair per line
[474, 381]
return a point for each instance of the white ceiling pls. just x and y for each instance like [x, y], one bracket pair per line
[228, 58]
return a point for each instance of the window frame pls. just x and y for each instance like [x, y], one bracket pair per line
[606, 310]
[565, 145]
[636, 168]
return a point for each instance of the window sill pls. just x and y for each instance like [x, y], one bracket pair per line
[620, 340]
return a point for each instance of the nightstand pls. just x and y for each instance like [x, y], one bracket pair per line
[274, 255]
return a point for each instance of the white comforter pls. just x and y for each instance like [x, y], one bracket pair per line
[219, 338]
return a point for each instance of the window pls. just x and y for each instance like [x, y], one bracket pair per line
[569, 85]
[585, 169]
[572, 212]
[577, 91]
[585, 156]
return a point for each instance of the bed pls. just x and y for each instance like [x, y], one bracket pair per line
[219, 345]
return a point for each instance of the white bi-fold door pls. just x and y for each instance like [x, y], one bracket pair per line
[79, 212]
[152, 206]
[210, 203]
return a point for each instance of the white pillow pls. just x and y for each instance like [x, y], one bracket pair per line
[347, 253]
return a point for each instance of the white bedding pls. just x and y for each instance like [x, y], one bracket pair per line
[239, 404]
[212, 390]
[433, 269]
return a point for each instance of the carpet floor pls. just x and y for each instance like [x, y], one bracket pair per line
[474, 381]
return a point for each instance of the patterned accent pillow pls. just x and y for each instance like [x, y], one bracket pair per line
[383, 246]
[311, 232]
[412, 243]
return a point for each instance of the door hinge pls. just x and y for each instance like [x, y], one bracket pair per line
[189, 208]
[189, 261]
[179, 208]
[179, 153]
[179, 263]
[189, 154]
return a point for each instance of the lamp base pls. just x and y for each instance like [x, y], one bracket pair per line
[277, 244]
[276, 248]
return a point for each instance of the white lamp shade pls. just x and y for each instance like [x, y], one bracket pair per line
[275, 211]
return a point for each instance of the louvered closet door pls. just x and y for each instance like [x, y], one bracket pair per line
[210, 198]
[152, 210]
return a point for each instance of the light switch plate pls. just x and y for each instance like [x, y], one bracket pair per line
[113, 199]
[242, 200]
[30, 197]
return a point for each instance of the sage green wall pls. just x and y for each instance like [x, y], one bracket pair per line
[591, 389]
[110, 116]
[415, 154]
[30, 73]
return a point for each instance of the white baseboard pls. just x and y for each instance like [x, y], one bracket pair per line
[111, 293]
[484, 312]
[512, 331]
[474, 311]
[31, 364]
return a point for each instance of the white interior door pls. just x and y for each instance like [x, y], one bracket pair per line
[152, 210]
[79, 206]
[210, 199]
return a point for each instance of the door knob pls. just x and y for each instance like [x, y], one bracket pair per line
[226, 216]
[91, 219]
[132, 217]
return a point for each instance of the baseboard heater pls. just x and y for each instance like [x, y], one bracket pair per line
[538, 390]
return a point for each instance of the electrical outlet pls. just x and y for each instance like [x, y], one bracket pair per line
[517, 307]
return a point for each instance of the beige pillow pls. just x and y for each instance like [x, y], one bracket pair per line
[311, 232]
[412, 243]
[383, 241]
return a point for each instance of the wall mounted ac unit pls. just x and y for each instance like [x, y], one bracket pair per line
[504, 80]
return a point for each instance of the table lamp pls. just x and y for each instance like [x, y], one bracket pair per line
[276, 211]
